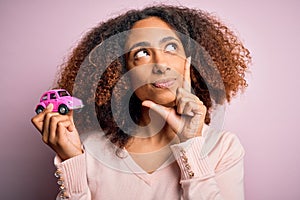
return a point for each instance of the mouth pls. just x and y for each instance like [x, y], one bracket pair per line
[164, 83]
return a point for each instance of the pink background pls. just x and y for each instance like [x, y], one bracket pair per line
[37, 35]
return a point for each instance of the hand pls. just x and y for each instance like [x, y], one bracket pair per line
[188, 118]
[58, 132]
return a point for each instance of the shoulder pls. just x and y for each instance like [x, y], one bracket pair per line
[226, 151]
[97, 143]
[100, 149]
[229, 141]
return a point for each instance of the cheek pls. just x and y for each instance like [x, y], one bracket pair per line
[139, 74]
[178, 66]
[137, 78]
[141, 93]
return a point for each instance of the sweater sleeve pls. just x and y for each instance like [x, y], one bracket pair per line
[216, 176]
[72, 178]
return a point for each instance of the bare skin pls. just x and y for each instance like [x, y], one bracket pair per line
[167, 94]
[183, 111]
[58, 132]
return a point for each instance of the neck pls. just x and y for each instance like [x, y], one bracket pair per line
[152, 134]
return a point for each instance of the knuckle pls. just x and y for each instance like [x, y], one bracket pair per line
[48, 115]
[45, 140]
[55, 119]
[184, 100]
[200, 103]
[60, 124]
[34, 120]
[178, 102]
[178, 97]
[179, 91]
[190, 104]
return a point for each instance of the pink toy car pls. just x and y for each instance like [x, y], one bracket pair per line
[62, 101]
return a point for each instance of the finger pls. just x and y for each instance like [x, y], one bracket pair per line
[179, 95]
[161, 110]
[187, 75]
[46, 125]
[69, 126]
[62, 126]
[191, 109]
[53, 121]
[182, 94]
[168, 114]
[182, 103]
[38, 119]
[53, 124]
[182, 97]
[69, 141]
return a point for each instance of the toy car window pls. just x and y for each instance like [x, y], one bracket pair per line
[44, 97]
[63, 93]
[52, 96]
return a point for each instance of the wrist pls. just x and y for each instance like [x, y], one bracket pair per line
[183, 137]
[65, 156]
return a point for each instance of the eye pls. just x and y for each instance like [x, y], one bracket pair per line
[171, 47]
[141, 53]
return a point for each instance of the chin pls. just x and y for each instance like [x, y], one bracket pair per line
[168, 102]
[159, 96]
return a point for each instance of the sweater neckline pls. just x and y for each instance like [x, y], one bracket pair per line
[141, 173]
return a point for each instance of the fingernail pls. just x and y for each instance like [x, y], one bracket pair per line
[191, 114]
[189, 59]
[50, 106]
[198, 113]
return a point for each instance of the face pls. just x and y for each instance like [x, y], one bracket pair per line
[156, 60]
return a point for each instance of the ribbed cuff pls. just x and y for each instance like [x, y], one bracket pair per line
[73, 173]
[192, 162]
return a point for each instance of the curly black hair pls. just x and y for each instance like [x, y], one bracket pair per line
[220, 51]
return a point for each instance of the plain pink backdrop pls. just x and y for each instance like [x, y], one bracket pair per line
[37, 35]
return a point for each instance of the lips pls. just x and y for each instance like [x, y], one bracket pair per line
[164, 83]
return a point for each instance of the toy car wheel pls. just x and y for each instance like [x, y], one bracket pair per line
[63, 109]
[39, 109]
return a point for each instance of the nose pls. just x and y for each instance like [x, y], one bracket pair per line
[159, 68]
[160, 65]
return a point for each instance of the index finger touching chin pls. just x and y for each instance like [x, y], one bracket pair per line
[161, 110]
[187, 75]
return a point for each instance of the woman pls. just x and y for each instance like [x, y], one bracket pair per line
[174, 86]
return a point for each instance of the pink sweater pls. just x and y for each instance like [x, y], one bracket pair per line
[99, 174]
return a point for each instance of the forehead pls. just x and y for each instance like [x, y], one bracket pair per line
[151, 29]
[151, 22]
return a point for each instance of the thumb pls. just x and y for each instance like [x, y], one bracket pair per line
[49, 107]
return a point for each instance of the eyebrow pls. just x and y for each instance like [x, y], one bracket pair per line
[139, 44]
[147, 44]
[166, 39]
